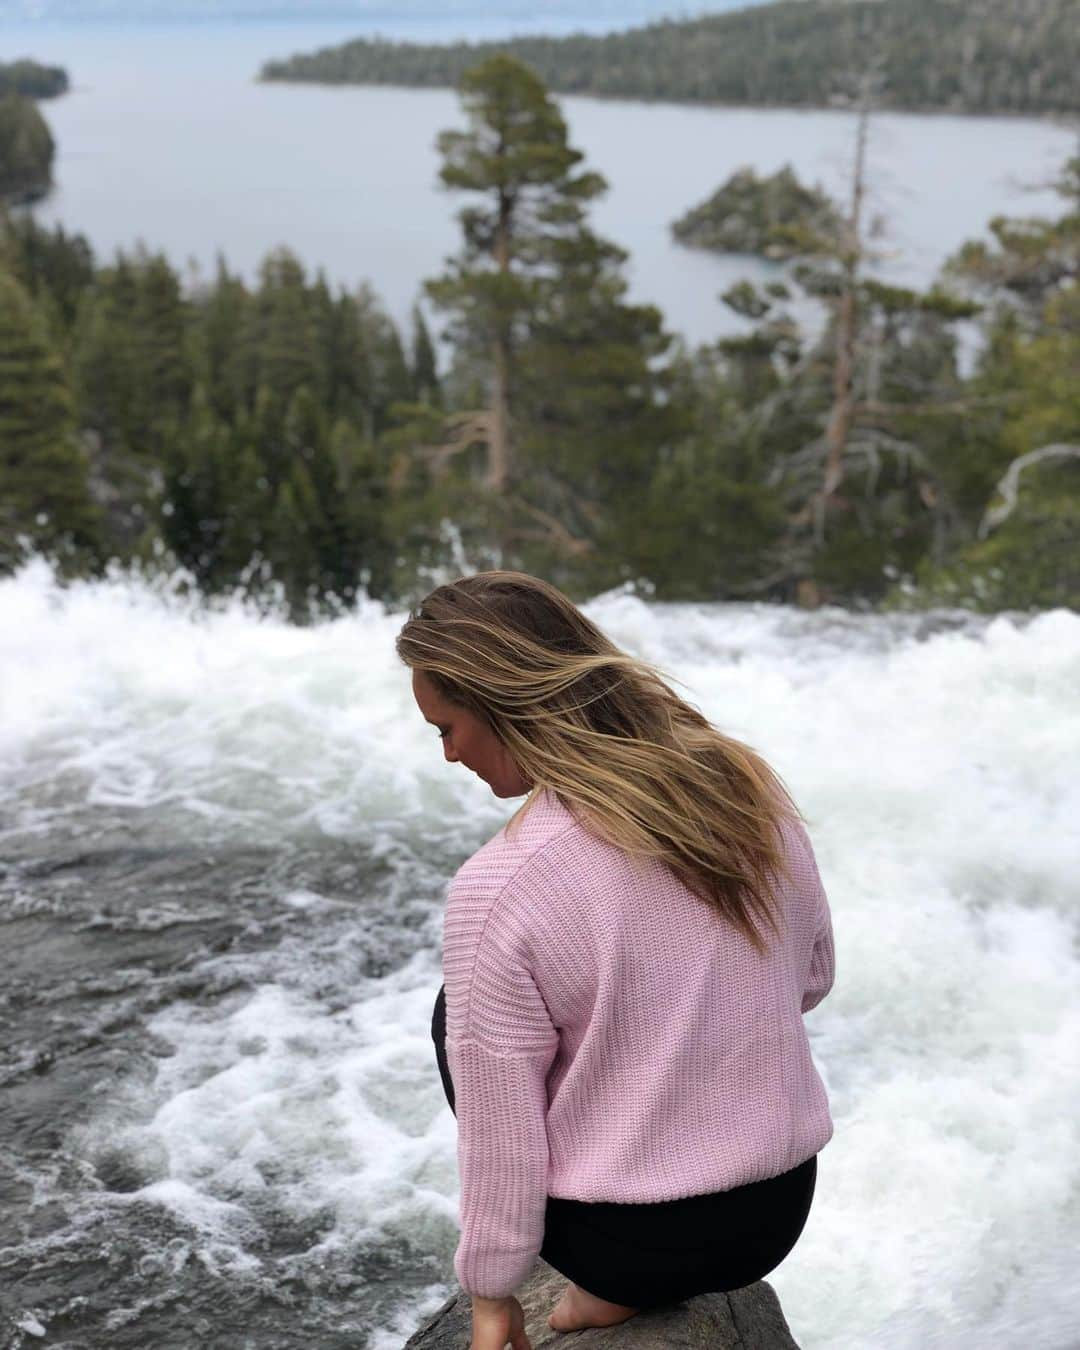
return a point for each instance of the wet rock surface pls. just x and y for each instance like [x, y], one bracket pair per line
[746, 1319]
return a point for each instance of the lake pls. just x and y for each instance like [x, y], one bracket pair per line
[167, 138]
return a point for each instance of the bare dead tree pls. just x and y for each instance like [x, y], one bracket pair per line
[851, 254]
[499, 429]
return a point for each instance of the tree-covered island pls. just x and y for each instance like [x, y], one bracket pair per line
[997, 56]
[26, 143]
[26, 151]
[31, 79]
[771, 216]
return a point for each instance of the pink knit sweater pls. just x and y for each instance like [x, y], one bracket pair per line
[610, 1037]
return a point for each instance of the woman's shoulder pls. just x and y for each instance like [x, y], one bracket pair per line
[795, 842]
[539, 820]
[528, 837]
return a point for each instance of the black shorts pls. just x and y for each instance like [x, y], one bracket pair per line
[644, 1255]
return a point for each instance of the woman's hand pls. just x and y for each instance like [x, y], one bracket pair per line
[497, 1323]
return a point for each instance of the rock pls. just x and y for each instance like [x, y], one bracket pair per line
[746, 1319]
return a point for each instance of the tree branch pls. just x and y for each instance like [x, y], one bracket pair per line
[1009, 486]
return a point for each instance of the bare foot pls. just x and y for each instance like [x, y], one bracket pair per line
[577, 1309]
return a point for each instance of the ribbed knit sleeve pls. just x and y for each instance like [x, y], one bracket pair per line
[822, 965]
[500, 1043]
[822, 971]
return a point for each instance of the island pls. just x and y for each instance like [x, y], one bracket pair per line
[26, 151]
[31, 79]
[772, 216]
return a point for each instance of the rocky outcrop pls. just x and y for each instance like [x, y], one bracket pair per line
[747, 1319]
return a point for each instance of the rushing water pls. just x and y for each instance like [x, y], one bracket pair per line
[166, 138]
[224, 844]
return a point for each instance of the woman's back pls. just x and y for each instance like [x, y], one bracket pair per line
[673, 1055]
[625, 965]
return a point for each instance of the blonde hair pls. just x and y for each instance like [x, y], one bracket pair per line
[638, 765]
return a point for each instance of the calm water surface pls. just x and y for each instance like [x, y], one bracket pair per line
[166, 138]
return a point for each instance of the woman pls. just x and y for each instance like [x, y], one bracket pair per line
[626, 966]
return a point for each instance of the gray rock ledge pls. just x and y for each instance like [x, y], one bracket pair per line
[746, 1319]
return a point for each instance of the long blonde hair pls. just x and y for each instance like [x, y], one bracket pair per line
[602, 729]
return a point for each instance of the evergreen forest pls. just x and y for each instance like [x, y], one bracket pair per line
[287, 437]
[996, 56]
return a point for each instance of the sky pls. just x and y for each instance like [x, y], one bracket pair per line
[628, 10]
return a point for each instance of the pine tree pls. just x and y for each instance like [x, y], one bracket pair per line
[215, 506]
[159, 321]
[282, 335]
[43, 479]
[220, 329]
[1030, 258]
[516, 156]
[1013, 469]
[575, 413]
[362, 547]
[424, 365]
[385, 362]
[292, 545]
[350, 366]
[54, 267]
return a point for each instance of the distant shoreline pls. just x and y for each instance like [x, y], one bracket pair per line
[1061, 119]
[926, 56]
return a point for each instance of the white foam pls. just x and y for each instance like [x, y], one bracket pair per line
[333, 1116]
[939, 778]
[215, 720]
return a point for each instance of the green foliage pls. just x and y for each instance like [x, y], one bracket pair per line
[32, 80]
[1025, 396]
[54, 267]
[234, 427]
[213, 509]
[279, 344]
[43, 482]
[702, 531]
[996, 56]
[425, 375]
[1031, 561]
[26, 150]
[1029, 257]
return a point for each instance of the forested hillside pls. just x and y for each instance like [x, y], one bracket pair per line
[286, 434]
[996, 56]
